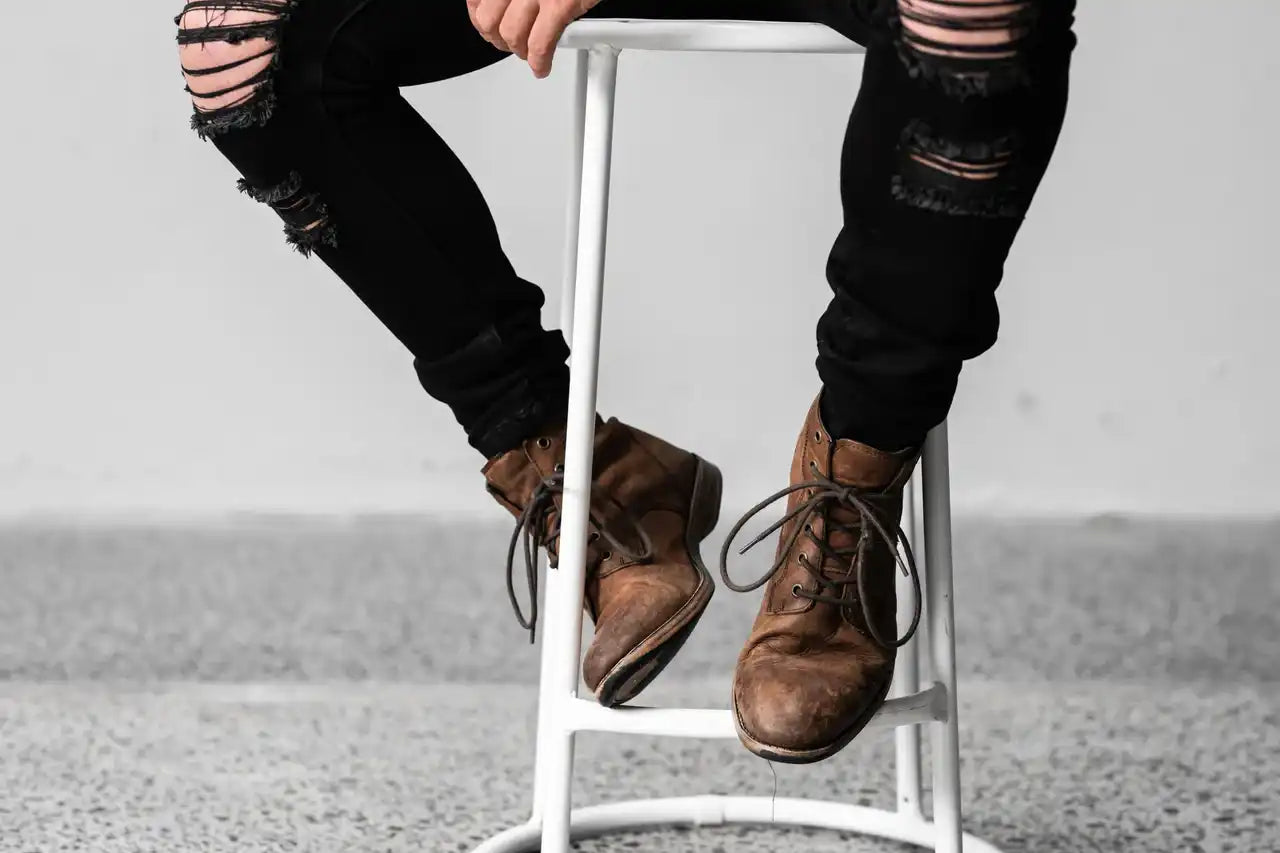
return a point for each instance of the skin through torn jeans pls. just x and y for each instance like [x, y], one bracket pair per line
[959, 109]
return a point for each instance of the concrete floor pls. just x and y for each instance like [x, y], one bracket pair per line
[360, 685]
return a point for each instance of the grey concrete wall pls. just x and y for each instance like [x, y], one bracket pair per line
[161, 350]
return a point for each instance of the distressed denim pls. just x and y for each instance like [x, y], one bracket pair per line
[960, 106]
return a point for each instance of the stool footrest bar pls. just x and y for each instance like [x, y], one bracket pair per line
[583, 715]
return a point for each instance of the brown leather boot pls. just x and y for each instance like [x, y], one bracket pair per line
[819, 660]
[651, 506]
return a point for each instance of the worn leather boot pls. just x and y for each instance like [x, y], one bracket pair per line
[651, 506]
[819, 660]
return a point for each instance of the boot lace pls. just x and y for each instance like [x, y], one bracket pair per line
[829, 494]
[533, 524]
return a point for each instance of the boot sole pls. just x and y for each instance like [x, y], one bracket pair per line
[642, 664]
[810, 756]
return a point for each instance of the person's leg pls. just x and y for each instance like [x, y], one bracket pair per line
[309, 110]
[316, 124]
[960, 109]
[302, 96]
[959, 112]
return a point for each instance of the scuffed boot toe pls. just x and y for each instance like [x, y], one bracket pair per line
[639, 633]
[786, 710]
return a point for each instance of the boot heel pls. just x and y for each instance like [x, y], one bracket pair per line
[708, 490]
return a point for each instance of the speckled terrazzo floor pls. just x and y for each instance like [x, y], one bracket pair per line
[285, 684]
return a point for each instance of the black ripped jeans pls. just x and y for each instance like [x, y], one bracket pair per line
[959, 110]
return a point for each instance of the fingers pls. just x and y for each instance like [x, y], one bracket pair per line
[531, 29]
[517, 24]
[544, 37]
[486, 17]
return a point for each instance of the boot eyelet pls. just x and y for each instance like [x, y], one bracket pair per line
[607, 555]
[544, 443]
[813, 466]
[593, 537]
[817, 436]
[558, 468]
[795, 590]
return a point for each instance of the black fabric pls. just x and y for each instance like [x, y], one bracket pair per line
[913, 287]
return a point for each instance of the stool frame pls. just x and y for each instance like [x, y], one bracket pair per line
[594, 46]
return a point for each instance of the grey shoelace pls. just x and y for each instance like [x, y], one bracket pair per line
[533, 524]
[830, 493]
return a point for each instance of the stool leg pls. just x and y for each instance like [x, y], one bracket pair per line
[573, 202]
[573, 205]
[565, 611]
[946, 739]
[906, 679]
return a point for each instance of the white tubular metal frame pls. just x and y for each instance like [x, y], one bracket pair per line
[594, 46]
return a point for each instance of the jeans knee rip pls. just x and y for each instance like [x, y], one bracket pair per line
[307, 224]
[958, 177]
[967, 48]
[230, 51]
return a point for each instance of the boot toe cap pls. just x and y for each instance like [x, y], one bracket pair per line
[807, 703]
[650, 613]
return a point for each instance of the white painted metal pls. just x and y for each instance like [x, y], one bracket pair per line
[562, 714]
[589, 716]
[565, 611]
[730, 36]
[946, 734]
[573, 202]
[906, 680]
[573, 219]
[711, 811]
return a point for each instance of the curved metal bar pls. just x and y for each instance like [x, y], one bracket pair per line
[648, 815]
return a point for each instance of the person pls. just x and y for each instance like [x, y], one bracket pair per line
[960, 108]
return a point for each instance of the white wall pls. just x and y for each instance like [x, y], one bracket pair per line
[161, 350]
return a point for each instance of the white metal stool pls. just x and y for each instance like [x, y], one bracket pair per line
[596, 44]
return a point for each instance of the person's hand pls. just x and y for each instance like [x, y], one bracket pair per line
[530, 29]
